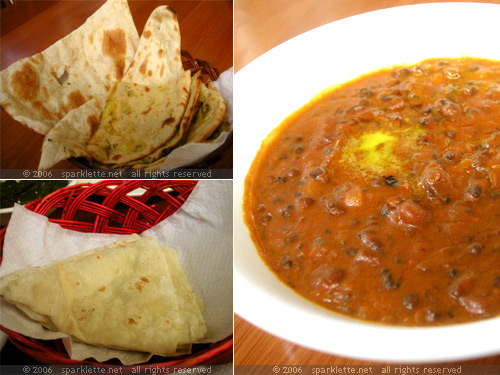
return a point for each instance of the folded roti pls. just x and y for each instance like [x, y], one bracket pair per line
[40, 90]
[130, 295]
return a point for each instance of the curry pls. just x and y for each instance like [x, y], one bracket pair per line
[380, 199]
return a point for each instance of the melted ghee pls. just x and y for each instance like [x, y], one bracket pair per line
[376, 153]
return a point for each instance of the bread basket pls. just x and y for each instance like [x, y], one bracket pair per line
[118, 207]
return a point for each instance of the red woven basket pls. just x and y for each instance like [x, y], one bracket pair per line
[108, 207]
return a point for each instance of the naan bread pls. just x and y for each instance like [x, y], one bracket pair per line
[179, 137]
[146, 109]
[90, 74]
[138, 119]
[204, 120]
[211, 113]
[70, 136]
[129, 295]
[158, 56]
[223, 127]
[40, 90]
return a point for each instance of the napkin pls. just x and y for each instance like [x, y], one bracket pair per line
[200, 230]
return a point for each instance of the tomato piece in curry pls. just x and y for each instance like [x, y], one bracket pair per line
[380, 199]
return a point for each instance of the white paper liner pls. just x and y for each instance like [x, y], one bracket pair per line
[200, 231]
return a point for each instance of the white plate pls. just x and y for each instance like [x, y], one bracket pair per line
[280, 82]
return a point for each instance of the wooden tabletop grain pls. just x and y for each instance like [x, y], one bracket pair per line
[29, 27]
[260, 25]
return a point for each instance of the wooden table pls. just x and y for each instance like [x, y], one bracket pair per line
[260, 25]
[28, 27]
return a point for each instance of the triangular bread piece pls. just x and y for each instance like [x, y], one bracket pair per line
[39, 91]
[70, 136]
[137, 122]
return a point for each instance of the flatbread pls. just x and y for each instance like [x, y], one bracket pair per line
[87, 75]
[130, 295]
[40, 90]
[223, 127]
[179, 137]
[146, 109]
[191, 327]
[211, 113]
[138, 119]
[70, 136]
[158, 56]
[205, 119]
